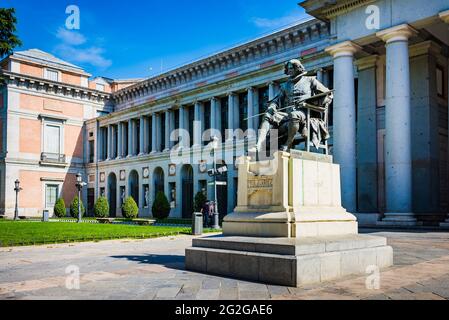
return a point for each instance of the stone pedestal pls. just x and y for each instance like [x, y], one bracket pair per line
[294, 195]
[289, 227]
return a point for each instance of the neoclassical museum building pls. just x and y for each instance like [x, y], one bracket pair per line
[387, 61]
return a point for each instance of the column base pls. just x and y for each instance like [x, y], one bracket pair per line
[399, 219]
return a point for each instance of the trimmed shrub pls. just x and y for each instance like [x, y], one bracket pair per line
[130, 209]
[199, 201]
[101, 208]
[161, 206]
[74, 208]
[59, 209]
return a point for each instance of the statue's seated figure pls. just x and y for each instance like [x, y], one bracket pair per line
[287, 112]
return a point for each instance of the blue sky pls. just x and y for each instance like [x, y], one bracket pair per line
[129, 39]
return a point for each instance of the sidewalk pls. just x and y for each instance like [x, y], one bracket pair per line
[154, 269]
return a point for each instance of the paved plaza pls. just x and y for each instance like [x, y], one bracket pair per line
[154, 269]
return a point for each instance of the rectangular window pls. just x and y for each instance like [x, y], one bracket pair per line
[52, 75]
[52, 144]
[51, 195]
[91, 151]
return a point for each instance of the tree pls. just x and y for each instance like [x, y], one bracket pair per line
[8, 39]
[161, 206]
[130, 209]
[199, 201]
[59, 209]
[74, 208]
[101, 208]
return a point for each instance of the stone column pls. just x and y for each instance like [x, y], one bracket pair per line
[142, 136]
[319, 75]
[115, 142]
[445, 17]
[119, 140]
[146, 134]
[231, 107]
[218, 116]
[172, 126]
[272, 90]
[367, 192]
[130, 138]
[181, 129]
[153, 133]
[167, 130]
[398, 155]
[250, 108]
[109, 148]
[344, 120]
[99, 143]
[252, 99]
[256, 120]
[213, 113]
[197, 125]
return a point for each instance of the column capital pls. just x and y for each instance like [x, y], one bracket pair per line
[401, 32]
[425, 47]
[346, 48]
[444, 16]
[367, 62]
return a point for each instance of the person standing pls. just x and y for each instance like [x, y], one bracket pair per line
[205, 212]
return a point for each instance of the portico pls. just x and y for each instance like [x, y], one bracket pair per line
[390, 109]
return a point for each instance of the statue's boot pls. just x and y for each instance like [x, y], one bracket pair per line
[263, 132]
[293, 128]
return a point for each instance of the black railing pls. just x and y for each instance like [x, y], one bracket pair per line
[53, 157]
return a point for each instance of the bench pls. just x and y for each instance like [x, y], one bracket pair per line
[144, 222]
[105, 220]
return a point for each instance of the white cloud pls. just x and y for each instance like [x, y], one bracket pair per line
[71, 49]
[91, 55]
[279, 22]
[70, 37]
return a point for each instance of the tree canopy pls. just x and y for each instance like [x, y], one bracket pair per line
[8, 38]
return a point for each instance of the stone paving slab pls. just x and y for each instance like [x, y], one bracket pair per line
[154, 269]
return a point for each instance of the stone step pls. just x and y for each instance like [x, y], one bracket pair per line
[295, 247]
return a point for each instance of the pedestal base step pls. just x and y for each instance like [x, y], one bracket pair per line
[288, 262]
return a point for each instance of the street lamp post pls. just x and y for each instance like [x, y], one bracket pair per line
[79, 185]
[17, 189]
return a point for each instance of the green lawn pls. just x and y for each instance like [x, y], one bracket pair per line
[34, 233]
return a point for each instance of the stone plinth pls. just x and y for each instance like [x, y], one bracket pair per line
[289, 227]
[288, 261]
[294, 195]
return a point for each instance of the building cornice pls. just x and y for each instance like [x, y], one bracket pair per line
[226, 62]
[328, 9]
[52, 87]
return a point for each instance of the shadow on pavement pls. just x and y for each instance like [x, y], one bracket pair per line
[168, 261]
